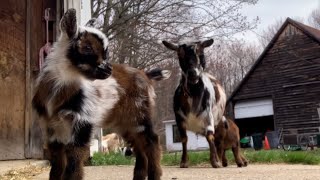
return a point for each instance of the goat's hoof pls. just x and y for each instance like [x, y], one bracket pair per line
[184, 165]
[245, 164]
[241, 165]
[224, 164]
[216, 165]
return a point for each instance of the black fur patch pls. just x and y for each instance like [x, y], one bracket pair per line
[39, 107]
[155, 74]
[82, 133]
[75, 103]
[71, 166]
[189, 59]
[77, 58]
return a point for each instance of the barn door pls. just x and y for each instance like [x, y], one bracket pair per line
[12, 78]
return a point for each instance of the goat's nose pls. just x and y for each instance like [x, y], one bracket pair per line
[192, 73]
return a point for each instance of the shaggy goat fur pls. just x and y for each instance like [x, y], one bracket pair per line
[79, 90]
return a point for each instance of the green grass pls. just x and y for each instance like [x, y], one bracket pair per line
[99, 159]
[202, 158]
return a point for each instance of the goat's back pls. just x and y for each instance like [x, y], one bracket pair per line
[135, 100]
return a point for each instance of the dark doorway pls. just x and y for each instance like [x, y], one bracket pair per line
[249, 126]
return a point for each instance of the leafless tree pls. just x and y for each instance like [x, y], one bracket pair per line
[314, 18]
[136, 26]
[270, 32]
[230, 62]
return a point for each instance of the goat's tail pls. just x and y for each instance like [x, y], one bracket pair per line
[158, 74]
[225, 122]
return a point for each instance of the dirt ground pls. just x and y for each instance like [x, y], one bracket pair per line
[252, 172]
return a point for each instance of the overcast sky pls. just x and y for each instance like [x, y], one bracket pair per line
[269, 11]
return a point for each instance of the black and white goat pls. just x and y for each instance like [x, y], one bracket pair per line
[78, 90]
[199, 100]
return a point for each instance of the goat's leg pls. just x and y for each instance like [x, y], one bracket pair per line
[153, 151]
[213, 151]
[224, 159]
[237, 155]
[244, 160]
[219, 147]
[220, 150]
[184, 139]
[57, 160]
[75, 161]
[141, 166]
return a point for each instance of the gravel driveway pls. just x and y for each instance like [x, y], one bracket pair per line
[252, 172]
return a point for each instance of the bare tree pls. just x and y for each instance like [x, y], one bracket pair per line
[136, 26]
[230, 62]
[270, 32]
[314, 18]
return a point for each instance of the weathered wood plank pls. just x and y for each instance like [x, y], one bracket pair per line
[12, 79]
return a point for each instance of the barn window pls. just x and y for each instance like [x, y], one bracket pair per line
[176, 134]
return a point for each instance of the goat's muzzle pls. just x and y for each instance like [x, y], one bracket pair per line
[193, 76]
[103, 71]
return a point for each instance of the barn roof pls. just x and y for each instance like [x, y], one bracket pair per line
[309, 31]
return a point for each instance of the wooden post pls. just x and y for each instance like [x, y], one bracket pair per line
[99, 135]
[28, 83]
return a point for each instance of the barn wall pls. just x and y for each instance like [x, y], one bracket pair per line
[12, 78]
[289, 73]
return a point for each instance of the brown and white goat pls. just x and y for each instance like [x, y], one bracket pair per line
[199, 100]
[112, 143]
[78, 90]
[227, 137]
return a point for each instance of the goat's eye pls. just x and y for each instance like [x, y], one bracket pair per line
[88, 48]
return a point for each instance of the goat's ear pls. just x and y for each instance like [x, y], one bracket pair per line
[92, 23]
[68, 23]
[170, 45]
[207, 43]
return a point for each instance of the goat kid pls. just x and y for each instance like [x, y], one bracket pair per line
[227, 137]
[78, 90]
[199, 100]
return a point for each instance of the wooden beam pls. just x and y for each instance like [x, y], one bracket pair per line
[28, 81]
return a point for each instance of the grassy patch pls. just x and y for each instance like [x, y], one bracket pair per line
[280, 156]
[202, 158]
[195, 158]
[99, 159]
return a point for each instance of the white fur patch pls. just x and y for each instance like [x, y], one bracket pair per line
[210, 128]
[99, 33]
[152, 95]
[109, 96]
[210, 110]
[224, 119]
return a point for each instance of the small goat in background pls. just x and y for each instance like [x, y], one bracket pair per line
[227, 137]
[78, 90]
[199, 100]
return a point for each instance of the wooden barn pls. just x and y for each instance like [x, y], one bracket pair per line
[22, 35]
[282, 89]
